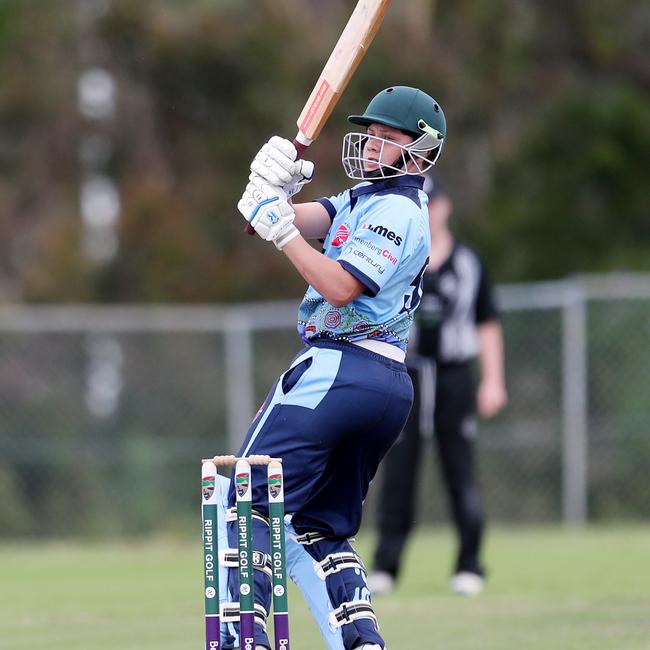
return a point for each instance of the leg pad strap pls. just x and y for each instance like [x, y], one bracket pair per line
[231, 515]
[229, 557]
[336, 562]
[230, 614]
[306, 539]
[352, 611]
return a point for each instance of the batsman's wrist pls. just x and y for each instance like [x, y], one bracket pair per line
[290, 233]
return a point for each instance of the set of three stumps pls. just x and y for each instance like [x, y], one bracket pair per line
[216, 611]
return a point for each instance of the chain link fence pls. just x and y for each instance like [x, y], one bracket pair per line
[105, 412]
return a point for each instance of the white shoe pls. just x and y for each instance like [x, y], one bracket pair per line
[369, 646]
[380, 583]
[466, 583]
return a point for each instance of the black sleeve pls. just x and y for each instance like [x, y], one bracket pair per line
[331, 211]
[486, 309]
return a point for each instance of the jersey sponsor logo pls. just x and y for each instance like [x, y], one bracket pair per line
[384, 232]
[341, 236]
[375, 265]
[368, 244]
[378, 250]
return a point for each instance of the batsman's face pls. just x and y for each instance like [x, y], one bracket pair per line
[383, 146]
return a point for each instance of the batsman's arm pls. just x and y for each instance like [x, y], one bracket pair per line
[327, 276]
[312, 220]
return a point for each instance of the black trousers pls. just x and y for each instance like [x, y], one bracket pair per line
[452, 414]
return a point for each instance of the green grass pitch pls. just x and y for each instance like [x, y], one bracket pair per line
[549, 589]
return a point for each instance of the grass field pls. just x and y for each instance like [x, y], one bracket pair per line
[549, 589]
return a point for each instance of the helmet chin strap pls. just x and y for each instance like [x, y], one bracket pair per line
[400, 163]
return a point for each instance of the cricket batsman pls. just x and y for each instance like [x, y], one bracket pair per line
[342, 402]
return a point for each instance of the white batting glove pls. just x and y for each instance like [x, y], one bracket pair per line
[266, 208]
[276, 163]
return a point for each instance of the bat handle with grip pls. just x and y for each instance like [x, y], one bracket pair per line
[300, 148]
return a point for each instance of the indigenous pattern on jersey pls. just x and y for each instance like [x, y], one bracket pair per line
[379, 234]
[456, 298]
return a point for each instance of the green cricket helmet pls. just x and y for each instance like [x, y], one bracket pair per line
[411, 111]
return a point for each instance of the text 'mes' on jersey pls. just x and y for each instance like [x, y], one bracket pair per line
[379, 234]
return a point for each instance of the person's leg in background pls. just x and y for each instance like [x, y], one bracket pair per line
[397, 499]
[456, 432]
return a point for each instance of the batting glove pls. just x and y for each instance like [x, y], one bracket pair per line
[266, 208]
[276, 163]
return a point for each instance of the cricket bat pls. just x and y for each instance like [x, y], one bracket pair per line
[344, 60]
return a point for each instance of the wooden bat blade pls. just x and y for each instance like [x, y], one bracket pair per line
[344, 60]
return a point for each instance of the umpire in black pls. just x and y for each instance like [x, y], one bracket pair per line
[457, 321]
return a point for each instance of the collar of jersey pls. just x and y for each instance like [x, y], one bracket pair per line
[396, 185]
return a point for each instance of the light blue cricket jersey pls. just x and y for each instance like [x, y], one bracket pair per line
[379, 234]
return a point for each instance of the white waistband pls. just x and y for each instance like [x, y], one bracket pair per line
[383, 348]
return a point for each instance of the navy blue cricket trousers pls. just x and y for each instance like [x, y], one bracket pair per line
[331, 417]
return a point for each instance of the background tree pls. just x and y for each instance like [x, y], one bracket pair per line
[548, 135]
